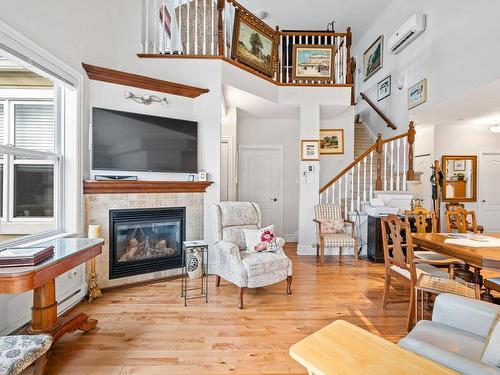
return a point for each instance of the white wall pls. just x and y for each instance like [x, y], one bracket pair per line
[284, 132]
[456, 54]
[331, 165]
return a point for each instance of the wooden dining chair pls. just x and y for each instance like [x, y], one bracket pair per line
[400, 262]
[450, 206]
[457, 219]
[425, 220]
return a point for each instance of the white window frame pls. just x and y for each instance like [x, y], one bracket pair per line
[16, 47]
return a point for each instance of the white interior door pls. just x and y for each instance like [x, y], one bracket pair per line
[260, 181]
[489, 178]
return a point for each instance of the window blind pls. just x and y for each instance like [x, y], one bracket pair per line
[34, 126]
[2, 124]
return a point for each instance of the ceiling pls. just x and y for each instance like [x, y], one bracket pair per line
[316, 14]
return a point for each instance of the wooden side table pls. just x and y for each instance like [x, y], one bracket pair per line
[189, 250]
[437, 285]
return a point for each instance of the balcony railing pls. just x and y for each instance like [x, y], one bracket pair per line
[204, 29]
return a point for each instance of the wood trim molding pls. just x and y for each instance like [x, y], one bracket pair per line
[121, 187]
[241, 66]
[98, 73]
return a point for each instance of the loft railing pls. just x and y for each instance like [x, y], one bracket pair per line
[204, 29]
[386, 165]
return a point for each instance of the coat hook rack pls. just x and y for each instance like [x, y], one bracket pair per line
[146, 99]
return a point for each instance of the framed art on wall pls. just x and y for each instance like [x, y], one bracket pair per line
[309, 150]
[417, 94]
[373, 57]
[254, 43]
[313, 62]
[331, 141]
[384, 88]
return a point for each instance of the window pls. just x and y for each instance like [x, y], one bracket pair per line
[30, 158]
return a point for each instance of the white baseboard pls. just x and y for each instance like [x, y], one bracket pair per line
[290, 237]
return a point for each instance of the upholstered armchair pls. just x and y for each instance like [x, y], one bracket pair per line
[344, 239]
[233, 263]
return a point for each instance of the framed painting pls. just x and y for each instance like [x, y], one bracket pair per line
[373, 57]
[331, 141]
[459, 165]
[254, 43]
[313, 62]
[384, 88]
[417, 94]
[309, 150]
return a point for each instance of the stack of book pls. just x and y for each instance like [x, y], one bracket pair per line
[24, 256]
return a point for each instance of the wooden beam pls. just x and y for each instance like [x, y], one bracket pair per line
[121, 187]
[98, 73]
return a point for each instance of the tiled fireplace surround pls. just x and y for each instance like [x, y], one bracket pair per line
[97, 208]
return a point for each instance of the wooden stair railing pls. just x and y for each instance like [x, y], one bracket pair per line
[206, 36]
[385, 165]
[386, 119]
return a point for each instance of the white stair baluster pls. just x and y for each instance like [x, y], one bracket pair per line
[333, 193]
[352, 188]
[340, 192]
[371, 175]
[398, 165]
[346, 195]
[287, 58]
[364, 178]
[326, 195]
[358, 201]
[385, 166]
[405, 156]
[391, 188]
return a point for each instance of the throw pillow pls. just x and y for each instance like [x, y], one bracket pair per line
[331, 226]
[258, 240]
[491, 354]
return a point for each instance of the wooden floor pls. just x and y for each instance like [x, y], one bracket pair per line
[147, 330]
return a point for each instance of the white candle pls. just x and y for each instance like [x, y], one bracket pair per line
[94, 231]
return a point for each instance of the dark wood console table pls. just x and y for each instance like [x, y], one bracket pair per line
[68, 253]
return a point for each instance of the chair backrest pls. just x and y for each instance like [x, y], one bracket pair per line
[327, 211]
[421, 216]
[392, 228]
[230, 218]
[456, 219]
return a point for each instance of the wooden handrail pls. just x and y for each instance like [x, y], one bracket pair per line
[389, 123]
[312, 33]
[346, 169]
[377, 147]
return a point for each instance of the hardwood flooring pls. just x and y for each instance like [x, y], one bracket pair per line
[147, 330]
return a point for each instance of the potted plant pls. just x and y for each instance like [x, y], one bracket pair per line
[460, 176]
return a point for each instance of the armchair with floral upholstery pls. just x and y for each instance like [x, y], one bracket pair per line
[233, 263]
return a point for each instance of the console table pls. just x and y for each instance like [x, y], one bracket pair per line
[68, 253]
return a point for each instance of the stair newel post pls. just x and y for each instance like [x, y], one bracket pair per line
[352, 71]
[220, 27]
[348, 56]
[410, 176]
[380, 150]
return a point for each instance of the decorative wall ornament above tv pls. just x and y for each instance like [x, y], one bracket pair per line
[373, 57]
[146, 99]
[254, 43]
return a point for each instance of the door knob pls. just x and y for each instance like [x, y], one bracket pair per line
[274, 199]
[484, 201]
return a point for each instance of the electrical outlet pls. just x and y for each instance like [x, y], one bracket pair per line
[72, 274]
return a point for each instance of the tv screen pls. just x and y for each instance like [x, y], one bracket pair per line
[134, 142]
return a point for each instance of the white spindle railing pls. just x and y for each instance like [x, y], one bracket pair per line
[356, 185]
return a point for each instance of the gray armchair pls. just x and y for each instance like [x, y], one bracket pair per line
[233, 263]
[457, 336]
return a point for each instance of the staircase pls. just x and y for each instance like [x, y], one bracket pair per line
[363, 139]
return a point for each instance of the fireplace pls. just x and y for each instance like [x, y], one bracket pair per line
[145, 240]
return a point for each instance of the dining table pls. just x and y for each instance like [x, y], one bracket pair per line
[476, 254]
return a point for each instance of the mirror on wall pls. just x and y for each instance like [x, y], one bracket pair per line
[460, 178]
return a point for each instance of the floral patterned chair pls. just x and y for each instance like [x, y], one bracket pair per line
[17, 353]
[233, 263]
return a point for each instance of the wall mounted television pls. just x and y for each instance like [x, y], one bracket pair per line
[125, 141]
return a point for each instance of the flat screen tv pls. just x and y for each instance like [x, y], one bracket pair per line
[124, 141]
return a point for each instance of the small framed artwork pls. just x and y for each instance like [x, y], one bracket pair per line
[309, 150]
[459, 165]
[373, 57]
[417, 94]
[331, 142]
[313, 62]
[384, 88]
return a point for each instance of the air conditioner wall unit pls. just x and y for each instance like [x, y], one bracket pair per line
[407, 33]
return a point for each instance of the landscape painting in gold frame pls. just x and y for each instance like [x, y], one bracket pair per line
[255, 44]
[313, 62]
[331, 141]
